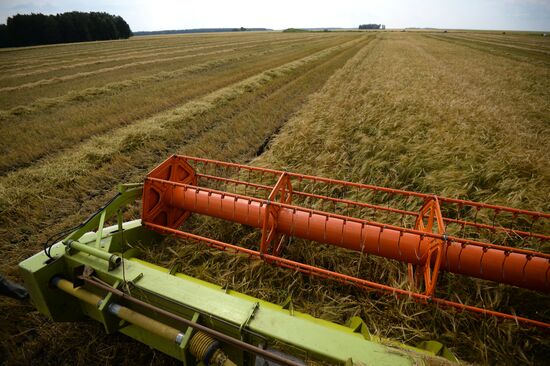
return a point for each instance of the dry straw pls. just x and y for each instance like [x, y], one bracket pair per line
[403, 110]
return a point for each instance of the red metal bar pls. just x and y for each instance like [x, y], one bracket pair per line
[497, 228]
[171, 194]
[311, 195]
[261, 202]
[371, 187]
[518, 269]
[384, 208]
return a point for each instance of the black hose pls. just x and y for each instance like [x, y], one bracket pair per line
[60, 235]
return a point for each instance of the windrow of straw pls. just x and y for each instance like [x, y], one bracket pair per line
[155, 54]
[87, 94]
[30, 137]
[32, 57]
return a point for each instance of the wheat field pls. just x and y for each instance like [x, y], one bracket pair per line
[460, 114]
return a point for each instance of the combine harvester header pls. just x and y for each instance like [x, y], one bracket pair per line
[215, 325]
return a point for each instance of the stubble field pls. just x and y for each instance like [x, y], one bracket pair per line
[457, 114]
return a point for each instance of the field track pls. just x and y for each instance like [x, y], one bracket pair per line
[458, 114]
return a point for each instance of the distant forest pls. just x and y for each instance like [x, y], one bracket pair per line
[36, 29]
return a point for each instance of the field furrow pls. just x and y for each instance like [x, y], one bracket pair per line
[145, 76]
[97, 78]
[110, 109]
[105, 64]
[509, 51]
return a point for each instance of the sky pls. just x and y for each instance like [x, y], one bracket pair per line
[148, 15]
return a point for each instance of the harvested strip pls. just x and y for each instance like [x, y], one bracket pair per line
[508, 45]
[116, 87]
[38, 64]
[527, 56]
[40, 53]
[57, 60]
[512, 41]
[107, 69]
[26, 96]
[126, 57]
[34, 137]
[113, 68]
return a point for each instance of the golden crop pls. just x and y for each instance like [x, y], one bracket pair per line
[458, 114]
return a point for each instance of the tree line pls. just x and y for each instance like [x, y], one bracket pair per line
[36, 29]
[372, 26]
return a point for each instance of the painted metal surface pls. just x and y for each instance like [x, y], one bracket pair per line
[219, 308]
[235, 315]
[440, 238]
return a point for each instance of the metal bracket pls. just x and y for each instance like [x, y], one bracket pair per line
[189, 332]
[188, 359]
[255, 307]
[174, 268]
[99, 232]
[288, 305]
[110, 322]
[132, 283]
[82, 270]
[358, 325]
